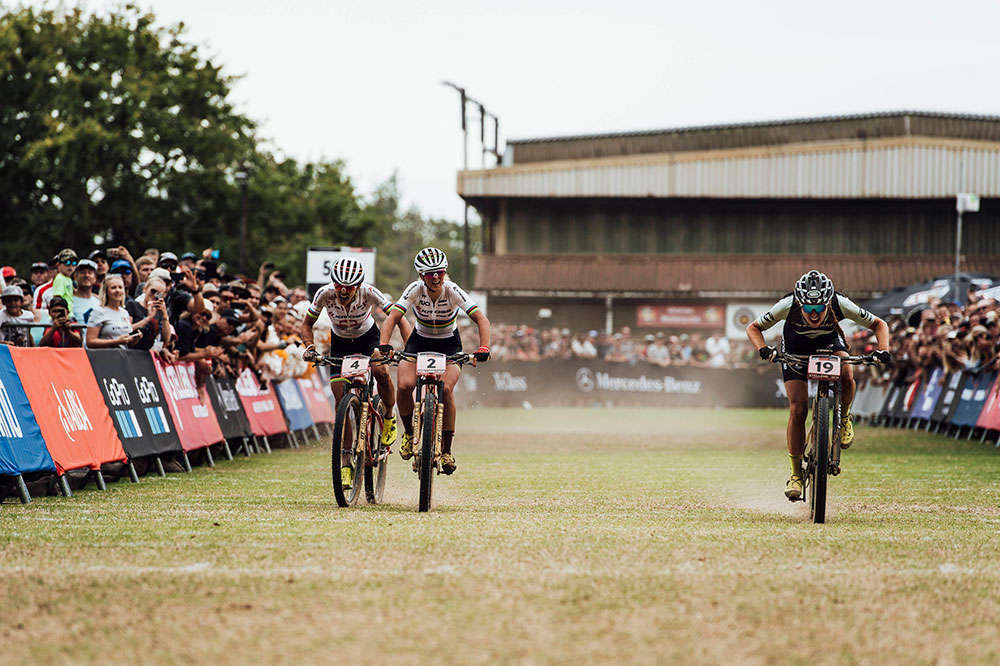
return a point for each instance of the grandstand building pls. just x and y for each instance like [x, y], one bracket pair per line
[640, 228]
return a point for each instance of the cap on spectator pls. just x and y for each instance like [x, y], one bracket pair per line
[9, 272]
[979, 329]
[98, 254]
[209, 289]
[87, 263]
[188, 255]
[39, 266]
[592, 334]
[650, 337]
[564, 332]
[231, 316]
[167, 258]
[65, 256]
[161, 273]
[121, 267]
[278, 299]
[11, 291]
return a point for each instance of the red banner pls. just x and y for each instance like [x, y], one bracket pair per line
[194, 417]
[68, 406]
[990, 416]
[261, 407]
[681, 316]
[319, 408]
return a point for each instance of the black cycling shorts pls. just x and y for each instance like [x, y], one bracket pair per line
[363, 344]
[788, 373]
[447, 346]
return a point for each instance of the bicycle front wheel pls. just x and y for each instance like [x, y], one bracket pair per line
[343, 448]
[428, 429]
[821, 456]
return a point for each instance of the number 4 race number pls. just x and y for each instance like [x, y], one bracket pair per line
[824, 367]
[354, 366]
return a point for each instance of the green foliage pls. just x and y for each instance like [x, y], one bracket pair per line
[116, 128]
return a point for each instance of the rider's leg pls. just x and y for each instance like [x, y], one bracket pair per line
[451, 376]
[847, 387]
[407, 378]
[386, 390]
[338, 386]
[798, 409]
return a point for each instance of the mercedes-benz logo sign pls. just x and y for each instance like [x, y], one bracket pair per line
[585, 380]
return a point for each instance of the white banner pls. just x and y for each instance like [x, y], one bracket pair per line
[739, 315]
[320, 260]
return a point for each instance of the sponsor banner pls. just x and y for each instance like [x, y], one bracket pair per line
[319, 408]
[990, 416]
[680, 316]
[136, 401]
[228, 408]
[972, 398]
[68, 406]
[580, 383]
[924, 407]
[260, 406]
[190, 407]
[739, 316]
[945, 404]
[869, 400]
[891, 405]
[293, 404]
[22, 448]
[909, 399]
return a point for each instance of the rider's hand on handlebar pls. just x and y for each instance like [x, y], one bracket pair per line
[768, 353]
[385, 350]
[310, 354]
[482, 354]
[882, 358]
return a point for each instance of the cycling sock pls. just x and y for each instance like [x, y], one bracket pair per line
[796, 462]
[446, 437]
[407, 420]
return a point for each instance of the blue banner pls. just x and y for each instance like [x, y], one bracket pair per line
[971, 398]
[923, 408]
[22, 448]
[294, 406]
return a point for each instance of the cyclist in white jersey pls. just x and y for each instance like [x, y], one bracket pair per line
[812, 314]
[435, 302]
[349, 302]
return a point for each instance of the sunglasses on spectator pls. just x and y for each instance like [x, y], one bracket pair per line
[156, 294]
[433, 274]
[814, 308]
[70, 262]
[980, 336]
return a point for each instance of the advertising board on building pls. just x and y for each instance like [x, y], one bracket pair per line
[680, 316]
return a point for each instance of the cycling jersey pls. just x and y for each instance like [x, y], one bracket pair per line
[799, 336]
[435, 318]
[354, 319]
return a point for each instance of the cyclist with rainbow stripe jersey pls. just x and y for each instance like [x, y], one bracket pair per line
[435, 302]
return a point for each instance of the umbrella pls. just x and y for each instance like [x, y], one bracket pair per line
[946, 288]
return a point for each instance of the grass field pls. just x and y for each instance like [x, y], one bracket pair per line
[633, 536]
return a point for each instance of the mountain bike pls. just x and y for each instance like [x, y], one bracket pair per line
[822, 454]
[428, 416]
[357, 430]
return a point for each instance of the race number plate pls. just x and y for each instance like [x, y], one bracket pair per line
[354, 366]
[824, 367]
[431, 364]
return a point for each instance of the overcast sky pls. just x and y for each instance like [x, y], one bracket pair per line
[360, 80]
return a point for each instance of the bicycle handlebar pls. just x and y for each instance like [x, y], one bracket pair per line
[459, 359]
[320, 359]
[803, 359]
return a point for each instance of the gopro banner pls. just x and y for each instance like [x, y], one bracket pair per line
[972, 398]
[135, 400]
[22, 448]
[946, 402]
[293, 404]
[189, 406]
[579, 383]
[68, 406]
[319, 408]
[228, 408]
[260, 405]
[924, 407]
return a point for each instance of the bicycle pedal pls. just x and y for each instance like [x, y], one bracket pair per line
[834, 469]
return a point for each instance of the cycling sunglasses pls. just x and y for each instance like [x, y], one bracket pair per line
[433, 273]
[337, 285]
[814, 308]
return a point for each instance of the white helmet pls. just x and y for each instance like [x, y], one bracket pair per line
[430, 259]
[813, 288]
[347, 271]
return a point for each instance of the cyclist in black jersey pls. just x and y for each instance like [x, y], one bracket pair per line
[812, 314]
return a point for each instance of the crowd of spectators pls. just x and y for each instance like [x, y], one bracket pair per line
[185, 308]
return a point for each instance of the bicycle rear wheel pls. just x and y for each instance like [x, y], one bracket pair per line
[376, 471]
[428, 423]
[821, 456]
[345, 438]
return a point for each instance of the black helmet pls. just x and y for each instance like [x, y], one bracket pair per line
[813, 288]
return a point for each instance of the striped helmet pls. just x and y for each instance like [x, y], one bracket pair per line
[347, 271]
[813, 288]
[430, 259]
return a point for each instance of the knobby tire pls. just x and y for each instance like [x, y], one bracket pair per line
[822, 456]
[348, 415]
[428, 416]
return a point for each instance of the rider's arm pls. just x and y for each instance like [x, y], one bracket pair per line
[391, 321]
[776, 313]
[306, 330]
[484, 326]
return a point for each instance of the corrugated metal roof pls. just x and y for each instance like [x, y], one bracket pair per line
[903, 167]
[710, 275]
